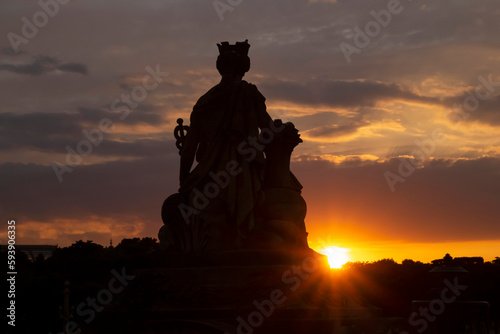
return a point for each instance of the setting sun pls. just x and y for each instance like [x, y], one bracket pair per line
[337, 256]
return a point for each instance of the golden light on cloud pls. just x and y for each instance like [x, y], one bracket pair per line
[373, 130]
[441, 86]
[338, 159]
[337, 256]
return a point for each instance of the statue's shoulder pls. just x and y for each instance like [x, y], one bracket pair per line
[247, 85]
[253, 89]
[208, 96]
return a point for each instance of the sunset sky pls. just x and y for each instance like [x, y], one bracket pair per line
[398, 104]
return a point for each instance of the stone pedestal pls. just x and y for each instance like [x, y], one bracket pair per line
[240, 292]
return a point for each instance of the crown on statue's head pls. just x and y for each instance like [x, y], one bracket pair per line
[240, 48]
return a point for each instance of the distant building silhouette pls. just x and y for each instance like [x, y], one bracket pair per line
[448, 260]
[468, 261]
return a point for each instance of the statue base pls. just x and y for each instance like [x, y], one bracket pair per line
[240, 292]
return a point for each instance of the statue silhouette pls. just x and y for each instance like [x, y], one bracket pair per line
[221, 200]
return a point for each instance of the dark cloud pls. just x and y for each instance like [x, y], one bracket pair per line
[8, 51]
[125, 189]
[52, 132]
[318, 119]
[332, 124]
[473, 109]
[73, 67]
[338, 93]
[43, 64]
[335, 130]
[361, 95]
[119, 188]
[39, 65]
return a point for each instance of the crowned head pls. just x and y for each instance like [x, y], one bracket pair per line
[233, 59]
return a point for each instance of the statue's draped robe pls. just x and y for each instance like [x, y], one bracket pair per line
[222, 121]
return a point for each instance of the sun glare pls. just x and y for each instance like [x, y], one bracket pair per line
[337, 256]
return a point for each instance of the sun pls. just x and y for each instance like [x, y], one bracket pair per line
[337, 256]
